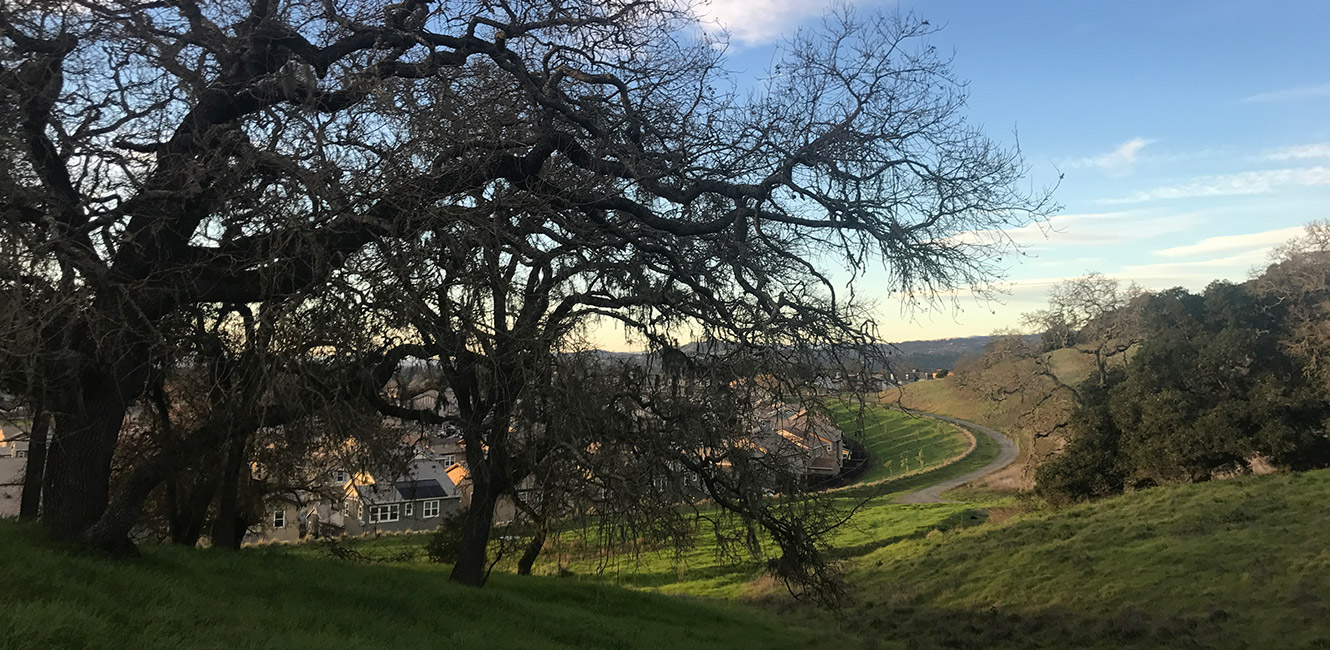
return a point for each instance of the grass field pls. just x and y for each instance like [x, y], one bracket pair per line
[271, 598]
[299, 596]
[900, 443]
[1243, 563]
[699, 571]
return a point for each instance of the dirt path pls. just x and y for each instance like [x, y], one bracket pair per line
[1006, 455]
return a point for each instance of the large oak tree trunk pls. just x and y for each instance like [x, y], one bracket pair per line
[228, 530]
[187, 508]
[111, 532]
[78, 463]
[35, 470]
[472, 557]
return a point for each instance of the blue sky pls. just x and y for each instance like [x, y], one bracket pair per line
[1194, 136]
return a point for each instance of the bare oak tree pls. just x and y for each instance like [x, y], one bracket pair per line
[1298, 279]
[482, 178]
[1094, 315]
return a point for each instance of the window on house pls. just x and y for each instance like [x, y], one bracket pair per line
[20, 453]
[339, 476]
[448, 460]
[430, 509]
[279, 519]
[408, 509]
[385, 513]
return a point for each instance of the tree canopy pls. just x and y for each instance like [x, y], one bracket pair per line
[1217, 384]
[471, 183]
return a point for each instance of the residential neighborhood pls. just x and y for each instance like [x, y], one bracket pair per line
[13, 456]
[435, 482]
[806, 441]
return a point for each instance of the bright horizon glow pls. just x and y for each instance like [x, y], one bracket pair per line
[1186, 160]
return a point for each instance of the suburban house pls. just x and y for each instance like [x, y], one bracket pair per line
[13, 443]
[281, 520]
[13, 460]
[822, 443]
[806, 441]
[441, 443]
[416, 499]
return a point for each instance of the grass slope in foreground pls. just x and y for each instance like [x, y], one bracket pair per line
[880, 521]
[1243, 563]
[263, 598]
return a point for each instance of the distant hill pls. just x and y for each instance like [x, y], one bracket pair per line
[923, 355]
[940, 353]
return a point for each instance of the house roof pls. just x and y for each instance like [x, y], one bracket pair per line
[425, 478]
[426, 489]
[457, 473]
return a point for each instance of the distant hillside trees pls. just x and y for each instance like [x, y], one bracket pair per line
[1094, 315]
[1226, 381]
[1299, 279]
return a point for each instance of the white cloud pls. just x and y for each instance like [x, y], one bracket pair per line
[1101, 228]
[1195, 274]
[1291, 94]
[1118, 162]
[1262, 240]
[757, 22]
[1299, 152]
[1245, 183]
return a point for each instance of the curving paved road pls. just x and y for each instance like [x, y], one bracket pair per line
[1006, 455]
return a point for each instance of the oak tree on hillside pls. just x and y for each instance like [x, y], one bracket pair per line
[482, 178]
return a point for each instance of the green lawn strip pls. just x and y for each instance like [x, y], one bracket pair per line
[899, 443]
[271, 598]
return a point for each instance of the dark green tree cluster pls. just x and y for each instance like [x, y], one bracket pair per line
[1212, 389]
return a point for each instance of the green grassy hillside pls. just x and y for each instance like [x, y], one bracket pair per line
[899, 443]
[878, 522]
[699, 572]
[268, 598]
[888, 434]
[1243, 563]
[299, 597]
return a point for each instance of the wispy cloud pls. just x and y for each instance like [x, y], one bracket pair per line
[1291, 94]
[757, 22]
[1094, 229]
[1244, 183]
[1299, 152]
[1257, 240]
[1118, 162]
[1196, 273]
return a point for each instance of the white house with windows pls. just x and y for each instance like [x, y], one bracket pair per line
[415, 500]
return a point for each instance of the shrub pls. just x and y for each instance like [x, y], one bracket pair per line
[443, 545]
